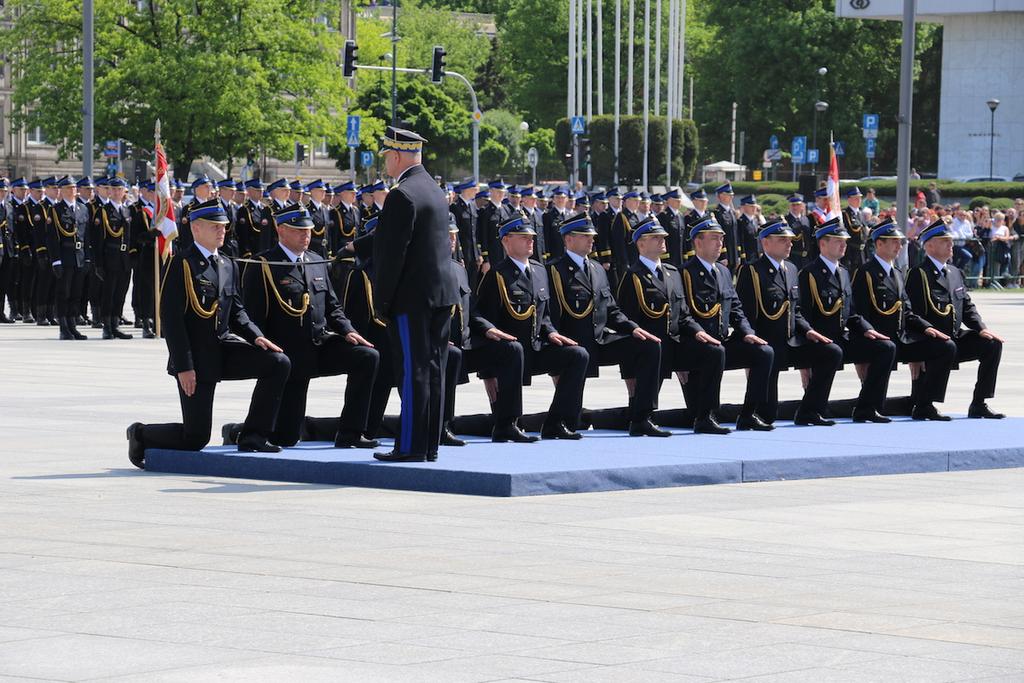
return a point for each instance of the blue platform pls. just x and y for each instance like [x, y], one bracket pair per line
[608, 461]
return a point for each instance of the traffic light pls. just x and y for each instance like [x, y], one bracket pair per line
[351, 52]
[585, 151]
[300, 152]
[437, 66]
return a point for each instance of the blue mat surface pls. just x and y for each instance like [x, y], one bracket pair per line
[608, 461]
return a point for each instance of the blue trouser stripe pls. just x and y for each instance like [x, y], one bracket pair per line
[405, 432]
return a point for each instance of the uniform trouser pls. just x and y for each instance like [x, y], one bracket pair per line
[705, 364]
[143, 297]
[938, 356]
[419, 352]
[45, 285]
[69, 290]
[94, 294]
[383, 383]
[6, 283]
[334, 357]
[823, 360]
[452, 372]
[114, 288]
[640, 359]
[758, 358]
[137, 298]
[27, 286]
[569, 364]
[239, 361]
[879, 354]
[503, 360]
[972, 346]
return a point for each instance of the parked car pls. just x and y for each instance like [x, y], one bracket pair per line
[982, 179]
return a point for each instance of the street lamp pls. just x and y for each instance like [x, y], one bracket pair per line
[992, 105]
[525, 128]
[819, 106]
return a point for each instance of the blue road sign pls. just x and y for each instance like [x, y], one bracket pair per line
[870, 126]
[366, 159]
[112, 148]
[871, 148]
[840, 149]
[799, 149]
[812, 156]
[773, 142]
[112, 168]
[579, 126]
[352, 131]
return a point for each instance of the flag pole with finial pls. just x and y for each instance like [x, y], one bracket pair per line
[157, 215]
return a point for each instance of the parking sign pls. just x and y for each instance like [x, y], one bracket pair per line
[799, 149]
[812, 156]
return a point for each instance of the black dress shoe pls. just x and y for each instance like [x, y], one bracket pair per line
[28, 319]
[861, 416]
[928, 412]
[751, 422]
[230, 432]
[647, 428]
[449, 439]
[511, 432]
[558, 430]
[42, 322]
[257, 444]
[982, 410]
[354, 441]
[813, 420]
[4, 320]
[136, 449]
[708, 425]
[391, 456]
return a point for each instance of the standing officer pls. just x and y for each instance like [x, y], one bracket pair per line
[211, 338]
[414, 290]
[113, 263]
[859, 233]
[226, 196]
[202, 191]
[805, 246]
[67, 242]
[291, 298]
[732, 251]
[748, 226]
[45, 280]
[25, 270]
[769, 290]
[826, 300]
[939, 294]
[623, 248]
[8, 254]
[557, 212]
[252, 221]
[535, 219]
[716, 308]
[584, 310]
[464, 211]
[144, 241]
[489, 219]
[512, 318]
[672, 221]
[320, 214]
[459, 341]
[699, 212]
[604, 230]
[880, 293]
[651, 293]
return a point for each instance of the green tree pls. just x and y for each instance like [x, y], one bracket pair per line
[548, 163]
[222, 77]
[532, 53]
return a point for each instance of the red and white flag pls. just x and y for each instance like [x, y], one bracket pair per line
[164, 206]
[834, 208]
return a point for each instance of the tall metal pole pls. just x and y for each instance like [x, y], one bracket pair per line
[590, 77]
[681, 58]
[629, 62]
[580, 54]
[647, 81]
[87, 84]
[600, 60]
[570, 103]
[618, 90]
[670, 91]
[657, 58]
[394, 63]
[906, 111]
[732, 146]
[992, 144]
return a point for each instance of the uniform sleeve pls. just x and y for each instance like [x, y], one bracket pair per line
[482, 304]
[240, 322]
[336, 318]
[745, 292]
[172, 317]
[254, 293]
[390, 246]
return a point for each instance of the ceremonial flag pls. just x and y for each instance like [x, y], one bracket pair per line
[834, 208]
[164, 206]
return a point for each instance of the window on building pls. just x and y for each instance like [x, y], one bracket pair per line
[35, 136]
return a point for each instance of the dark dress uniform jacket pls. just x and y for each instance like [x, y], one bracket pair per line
[827, 302]
[942, 299]
[771, 302]
[858, 235]
[515, 304]
[254, 229]
[804, 246]
[201, 308]
[297, 335]
[489, 219]
[67, 239]
[114, 239]
[747, 229]
[733, 244]
[883, 300]
[678, 241]
[465, 218]
[321, 216]
[624, 252]
[713, 300]
[413, 233]
[584, 309]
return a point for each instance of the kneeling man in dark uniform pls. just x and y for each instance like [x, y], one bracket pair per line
[512, 321]
[290, 295]
[211, 338]
[585, 311]
[939, 294]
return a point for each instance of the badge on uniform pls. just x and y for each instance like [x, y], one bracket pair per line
[285, 281]
[959, 290]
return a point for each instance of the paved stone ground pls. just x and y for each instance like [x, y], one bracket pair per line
[112, 573]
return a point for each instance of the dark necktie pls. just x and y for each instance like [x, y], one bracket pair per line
[659, 274]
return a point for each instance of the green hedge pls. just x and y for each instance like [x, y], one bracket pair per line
[773, 204]
[887, 188]
[995, 203]
[685, 148]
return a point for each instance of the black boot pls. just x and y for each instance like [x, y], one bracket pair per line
[65, 329]
[108, 331]
[118, 334]
[449, 439]
[73, 329]
[147, 329]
